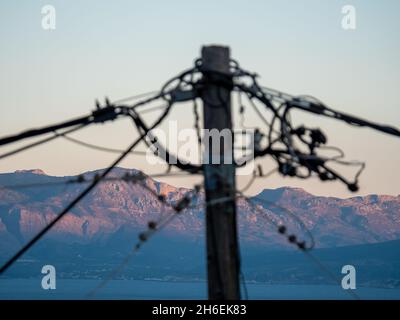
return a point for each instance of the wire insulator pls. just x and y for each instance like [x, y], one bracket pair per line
[152, 225]
[301, 245]
[282, 229]
[143, 236]
[353, 187]
[182, 204]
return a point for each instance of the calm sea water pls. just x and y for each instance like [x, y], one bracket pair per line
[139, 289]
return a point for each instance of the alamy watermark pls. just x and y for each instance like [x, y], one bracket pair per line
[218, 147]
[48, 17]
[349, 19]
[349, 280]
[49, 280]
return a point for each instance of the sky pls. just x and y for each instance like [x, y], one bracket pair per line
[121, 48]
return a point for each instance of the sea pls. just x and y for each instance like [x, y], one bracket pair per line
[31, 289]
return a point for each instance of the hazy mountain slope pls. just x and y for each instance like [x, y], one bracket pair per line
[116, 211]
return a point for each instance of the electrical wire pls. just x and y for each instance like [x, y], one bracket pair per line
[99, 115]
[40, 142]
[26, 247]
[155, 108]
[97, 147]
[306, 250]
[188, 86]
[154, 227]
[134, 97]
[329, 273]
[282, 229]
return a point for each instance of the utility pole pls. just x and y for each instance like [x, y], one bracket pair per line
[219, 179]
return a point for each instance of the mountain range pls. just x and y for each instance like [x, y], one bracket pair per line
[116, 207]
[106, 223]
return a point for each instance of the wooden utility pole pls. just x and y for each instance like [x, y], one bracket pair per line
[221, 233]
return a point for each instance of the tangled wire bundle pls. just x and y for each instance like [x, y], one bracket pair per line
[296, 150]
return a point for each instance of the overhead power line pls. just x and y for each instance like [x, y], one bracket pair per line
[296, 150]
[82, 194]
[152, 228]
[99, 115]
[66, 210]
[42, 141]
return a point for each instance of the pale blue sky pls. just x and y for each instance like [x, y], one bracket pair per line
[119, 48]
